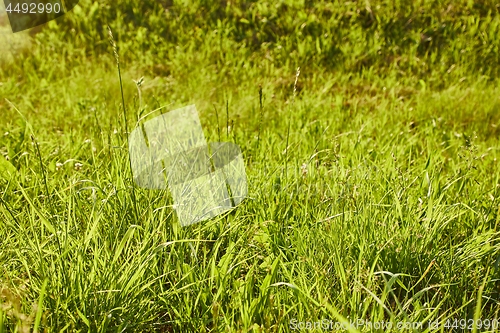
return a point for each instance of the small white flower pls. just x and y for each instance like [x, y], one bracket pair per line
[78, 166]
[59, 165]
[303, 168]
[86, 141]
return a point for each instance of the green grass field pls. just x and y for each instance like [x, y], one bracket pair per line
[374, 186]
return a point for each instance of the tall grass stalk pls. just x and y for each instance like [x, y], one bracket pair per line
[124, 109]
[291, 109]
[261, 116]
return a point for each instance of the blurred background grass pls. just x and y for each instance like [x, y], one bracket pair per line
[431, 40]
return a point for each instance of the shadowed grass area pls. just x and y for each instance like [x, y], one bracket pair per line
[373, 192]
[11, 45]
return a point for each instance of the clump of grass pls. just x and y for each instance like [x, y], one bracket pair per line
[388, 211]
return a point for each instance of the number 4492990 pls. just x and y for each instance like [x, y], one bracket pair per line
[33, 8]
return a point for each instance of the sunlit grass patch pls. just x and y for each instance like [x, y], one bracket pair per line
[373, 189]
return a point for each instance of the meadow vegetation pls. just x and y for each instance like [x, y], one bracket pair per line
[374, 187]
